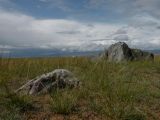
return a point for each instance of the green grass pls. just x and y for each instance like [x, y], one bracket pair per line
[11, 105]
[63, 102]
[117, 91]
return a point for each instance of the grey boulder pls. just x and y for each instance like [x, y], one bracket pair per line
[59, 78]
[120, 51]
[142, 55]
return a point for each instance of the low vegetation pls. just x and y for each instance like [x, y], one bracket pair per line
[113, 91]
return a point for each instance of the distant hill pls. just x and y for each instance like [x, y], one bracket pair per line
[31, 52]
[45, 53]
[155, 51]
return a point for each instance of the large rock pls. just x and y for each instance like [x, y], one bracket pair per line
[142, 55]
[120, 51]
[59, 78]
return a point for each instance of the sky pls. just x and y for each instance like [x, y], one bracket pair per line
[82, 25]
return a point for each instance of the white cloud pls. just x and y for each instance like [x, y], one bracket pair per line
[122, 37]
[20, 30]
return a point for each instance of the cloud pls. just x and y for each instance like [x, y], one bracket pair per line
[20, 30]
[127, 8]
[69, 32]
[23, 31]
[121, 31]
[121, 37]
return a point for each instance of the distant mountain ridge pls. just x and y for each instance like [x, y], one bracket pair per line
[154, 51]
[32, 52]
[20, 53]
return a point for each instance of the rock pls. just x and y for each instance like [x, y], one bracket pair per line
[142, 55]
[103, 55]
[59, 78]
[120, 51]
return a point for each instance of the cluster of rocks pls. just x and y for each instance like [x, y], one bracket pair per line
[61, 78]
[120, 51]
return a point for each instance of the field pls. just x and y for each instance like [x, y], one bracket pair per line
[109, 91]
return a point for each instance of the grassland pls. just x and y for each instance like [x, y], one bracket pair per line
[109, 91]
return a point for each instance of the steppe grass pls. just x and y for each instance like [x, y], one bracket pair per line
[63, 101]
[117, 91]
